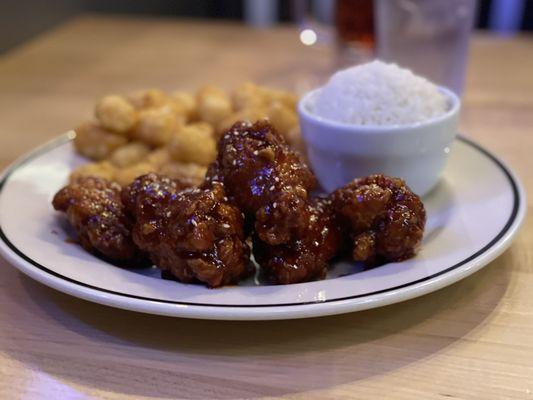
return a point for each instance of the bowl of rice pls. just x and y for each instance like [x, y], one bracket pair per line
[379, 118]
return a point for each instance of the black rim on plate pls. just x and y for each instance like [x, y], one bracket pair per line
[62, 140]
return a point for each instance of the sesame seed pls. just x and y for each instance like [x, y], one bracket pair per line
[274, 205]
[272, 188]
[276, 179]
[193, 221]
[225, 226]
[256, 152]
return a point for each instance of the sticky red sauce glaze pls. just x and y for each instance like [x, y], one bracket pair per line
[94, 209]
[194, 234]
[268, 181]
[307, 256]
[383, 217]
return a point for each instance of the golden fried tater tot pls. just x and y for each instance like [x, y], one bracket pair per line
[213, 104]
[115, 113]
[296, 142]
[149, 98]
[246, 114]
[95, 142]
[188, 173]
[282, 117]
[186, 102]
[250, 95]
[270, 95]
[124, 176]
[247, 96]
[155, 126]
[102, 169]
[129, 154]
[193, 143]
[159, 157]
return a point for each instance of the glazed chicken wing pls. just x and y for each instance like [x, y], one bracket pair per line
[266, 179]
[94, 209]
[192, 234]
[306, 257]
[385, 219]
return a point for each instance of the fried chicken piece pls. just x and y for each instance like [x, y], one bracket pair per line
[306, 257]
[94, 209]
[385, 219]
[192, 234]
[266, 179]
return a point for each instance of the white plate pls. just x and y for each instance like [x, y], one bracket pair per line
[473, 216]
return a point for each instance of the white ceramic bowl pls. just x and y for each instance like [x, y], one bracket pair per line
[340, 152]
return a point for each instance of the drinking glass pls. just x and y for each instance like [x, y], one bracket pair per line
[430, 37]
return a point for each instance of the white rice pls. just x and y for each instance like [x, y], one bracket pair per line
[378, 93]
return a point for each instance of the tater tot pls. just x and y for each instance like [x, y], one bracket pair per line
[282, 117]
[149, 98]
[96, 143]
[115, 113]
[270, 95]
[102, 169]
[186, 102]
[188, 173]
[176, 110]
[158, 157]
[290, 100]
[250, 95]
[213, 105]
[124, 176]
[246, 114]
[193, 143]
[247, 96]
[155, 126]
[295, 140]
[205, 128]
[129, 154]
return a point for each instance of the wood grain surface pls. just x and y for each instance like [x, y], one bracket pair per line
[473, 340]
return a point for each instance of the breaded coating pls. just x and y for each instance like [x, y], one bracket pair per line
[306, 257]
[129, 154]
[385, 219]
[190, 174]
[193, 235]
[100, 169]
[213, 104]
[148, 98]
[115, 113]
[266, 179]
[155, 126]
[193, 143]
[94, 209]
[95, 142]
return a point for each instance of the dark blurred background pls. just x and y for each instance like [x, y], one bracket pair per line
[21, 20]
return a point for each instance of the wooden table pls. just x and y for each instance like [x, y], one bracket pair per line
[473, 340]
